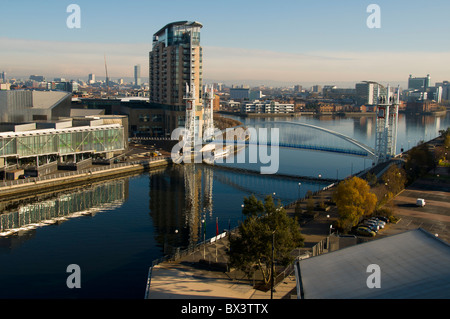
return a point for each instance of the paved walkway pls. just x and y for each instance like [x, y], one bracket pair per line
[186, 279]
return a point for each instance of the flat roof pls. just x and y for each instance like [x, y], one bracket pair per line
[412, 265]
[187, 23]
[61, 130]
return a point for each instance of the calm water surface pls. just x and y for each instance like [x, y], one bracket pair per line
[128, 222]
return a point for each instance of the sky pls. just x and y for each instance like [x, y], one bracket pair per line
[244, 42]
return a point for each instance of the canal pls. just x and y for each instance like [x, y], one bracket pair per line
[115, 229]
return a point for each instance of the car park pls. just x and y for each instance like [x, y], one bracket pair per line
[372, 226]
[382, 218]
[364, 231]
[378, 222]
[371, 223]
[420, 202]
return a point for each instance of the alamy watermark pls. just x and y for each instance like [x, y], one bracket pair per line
[264, 150]
[74, 279]
[74, 19]
[374, 19]
[374, 279]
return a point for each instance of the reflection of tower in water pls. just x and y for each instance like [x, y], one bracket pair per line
[198, 198]
[179, 198]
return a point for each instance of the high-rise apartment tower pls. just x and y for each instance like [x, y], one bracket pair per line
[176, 64]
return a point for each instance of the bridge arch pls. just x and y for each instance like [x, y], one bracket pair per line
[364, 150]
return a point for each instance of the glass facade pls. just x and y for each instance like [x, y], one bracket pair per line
[62, 142]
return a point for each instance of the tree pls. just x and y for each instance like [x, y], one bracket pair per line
[371, 178]
[420, 160]
[394, 179]
[252, 248]
[354, 201]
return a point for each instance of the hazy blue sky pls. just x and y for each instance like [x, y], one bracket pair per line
[244, 41]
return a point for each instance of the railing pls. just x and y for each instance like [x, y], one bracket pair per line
[85, 171]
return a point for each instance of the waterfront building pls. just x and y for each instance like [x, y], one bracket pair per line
[175, 65]
[68, 140]
[267, 107]
[445, 85]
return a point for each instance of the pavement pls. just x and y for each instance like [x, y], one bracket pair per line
[186, 278]
[434, 217]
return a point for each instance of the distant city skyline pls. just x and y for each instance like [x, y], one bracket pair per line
[251, 42]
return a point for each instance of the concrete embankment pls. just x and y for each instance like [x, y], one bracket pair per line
[65, 179]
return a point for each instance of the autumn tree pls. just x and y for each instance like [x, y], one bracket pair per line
[354, 201]
[394, 179]
[251, 249]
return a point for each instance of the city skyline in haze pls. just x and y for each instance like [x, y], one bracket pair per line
[251, 42]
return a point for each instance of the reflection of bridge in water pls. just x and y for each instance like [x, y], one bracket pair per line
[252, 182]
[104, 196]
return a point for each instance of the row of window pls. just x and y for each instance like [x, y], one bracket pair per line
[63, 143]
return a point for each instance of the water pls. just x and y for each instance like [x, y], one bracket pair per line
[123, 225]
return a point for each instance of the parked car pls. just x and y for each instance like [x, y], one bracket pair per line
[379, 222]
[382, 218]
[364, 231]
[372, 226]
[370, 222]
[420, 202]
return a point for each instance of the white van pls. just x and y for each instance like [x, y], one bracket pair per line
[420, 202]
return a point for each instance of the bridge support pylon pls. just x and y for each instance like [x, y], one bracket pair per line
[386, 125]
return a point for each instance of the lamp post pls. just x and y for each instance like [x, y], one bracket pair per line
[271, 279]
[204, 239]
[299, 187]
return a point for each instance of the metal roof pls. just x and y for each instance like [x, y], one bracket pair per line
[413, 265]
[60, 130]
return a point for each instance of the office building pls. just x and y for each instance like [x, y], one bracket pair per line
[3, 77]
[239, 93]
[367, 92]
[175, 65]
[91, 79]
[421, 84]
[37, 78]
[137, 75]
[255, 95]
[445, 90]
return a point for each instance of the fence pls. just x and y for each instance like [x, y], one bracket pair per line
[81, 172]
